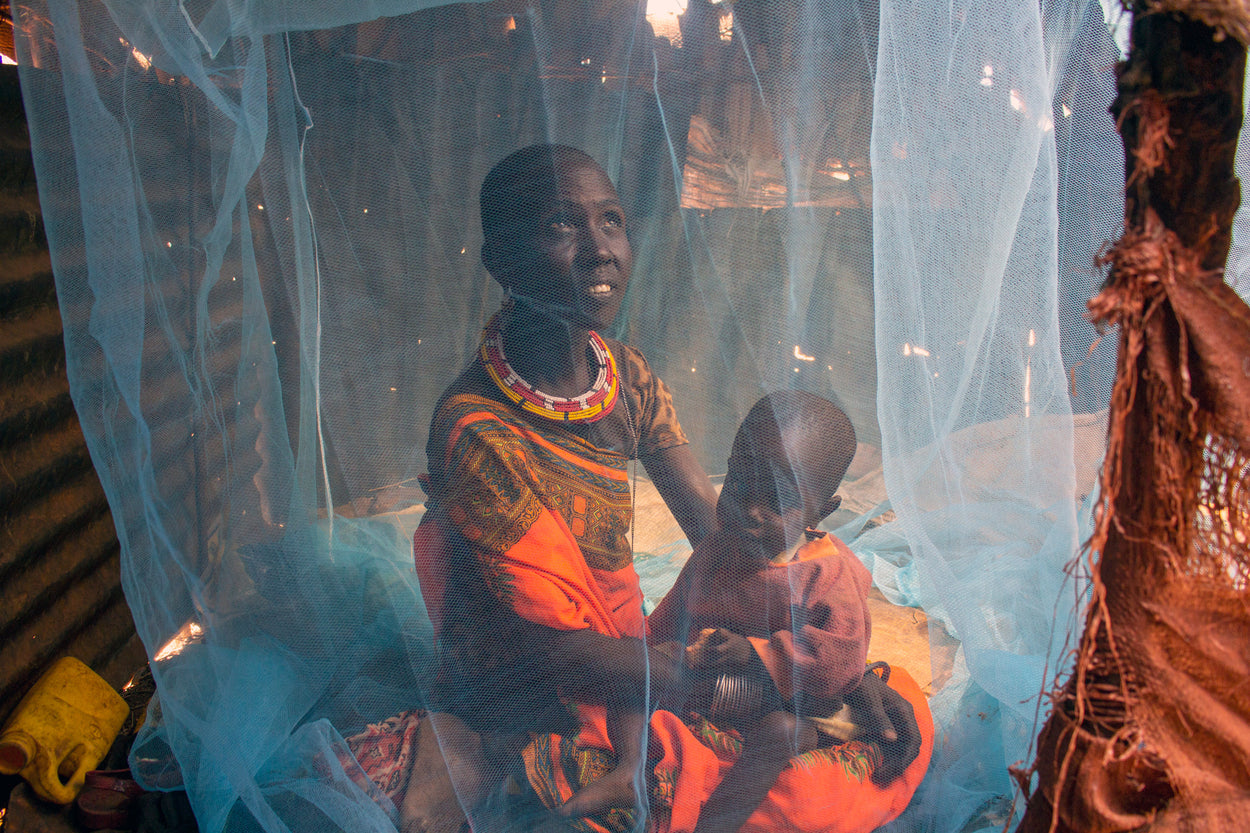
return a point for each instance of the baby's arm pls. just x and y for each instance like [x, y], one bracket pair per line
[821, 656]
[731, 682]
[825, 653]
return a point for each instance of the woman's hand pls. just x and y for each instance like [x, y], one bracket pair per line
[889, 721]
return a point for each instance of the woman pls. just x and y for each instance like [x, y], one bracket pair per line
[527, 566]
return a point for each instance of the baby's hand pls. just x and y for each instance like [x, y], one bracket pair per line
[721, 650]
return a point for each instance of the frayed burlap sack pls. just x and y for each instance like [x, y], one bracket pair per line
[1152, 729]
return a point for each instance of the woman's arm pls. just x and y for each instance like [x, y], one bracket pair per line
[685, 488]
[596, 668]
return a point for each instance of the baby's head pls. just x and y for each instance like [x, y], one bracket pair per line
[554, 233]
[787, 462]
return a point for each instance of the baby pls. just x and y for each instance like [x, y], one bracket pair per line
[776, 612]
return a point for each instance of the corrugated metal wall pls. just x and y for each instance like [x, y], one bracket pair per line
[59, 579]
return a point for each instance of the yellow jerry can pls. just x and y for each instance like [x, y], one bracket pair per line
[61, 730]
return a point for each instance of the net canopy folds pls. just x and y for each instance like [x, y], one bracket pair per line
[264, 226]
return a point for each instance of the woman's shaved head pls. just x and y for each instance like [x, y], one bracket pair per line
[515, 189]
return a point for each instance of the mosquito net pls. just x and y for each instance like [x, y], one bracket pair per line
[267, 235]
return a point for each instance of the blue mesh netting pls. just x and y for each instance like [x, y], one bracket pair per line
[264, 228]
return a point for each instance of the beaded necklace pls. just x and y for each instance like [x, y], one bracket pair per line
[590, 406]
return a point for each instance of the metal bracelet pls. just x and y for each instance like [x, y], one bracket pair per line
[737, 698]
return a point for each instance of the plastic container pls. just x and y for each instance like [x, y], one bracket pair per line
[61, 729]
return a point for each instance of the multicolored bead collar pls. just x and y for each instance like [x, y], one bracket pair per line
[590, 406]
